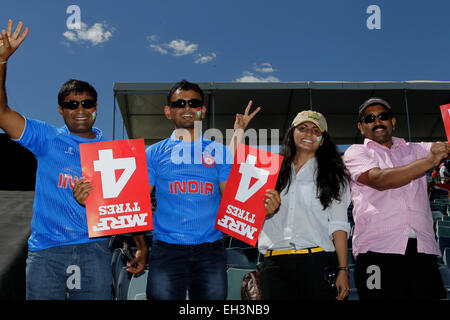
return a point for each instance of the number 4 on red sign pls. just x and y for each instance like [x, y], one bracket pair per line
[249, 171]
[107, 166]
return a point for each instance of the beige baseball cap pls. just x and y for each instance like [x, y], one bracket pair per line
[313, 116]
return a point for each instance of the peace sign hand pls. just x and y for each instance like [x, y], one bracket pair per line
[242, 120]
[9, 42]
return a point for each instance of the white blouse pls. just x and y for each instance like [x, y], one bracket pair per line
[301, 221]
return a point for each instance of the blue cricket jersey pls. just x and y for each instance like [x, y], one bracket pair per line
[58, 219]
[186, 176]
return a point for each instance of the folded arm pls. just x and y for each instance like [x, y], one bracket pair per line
[390, 178]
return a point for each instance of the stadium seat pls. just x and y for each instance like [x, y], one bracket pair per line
[437, 215]
[227, 239]
[443, 242]
[236, 243]
[123, 282]
[118, 261]
[445, 275]
[350, 258]
[350, 236]
[116, 266]
[442, 223]
[117, 240]
[435, 206]
[353, 294]
[234, 278]
[137, 287]
[443, 232]
[241, 257]
[260, 260]
[446, 256]
[446, 218]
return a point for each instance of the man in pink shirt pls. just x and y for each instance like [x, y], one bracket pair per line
[394, 241]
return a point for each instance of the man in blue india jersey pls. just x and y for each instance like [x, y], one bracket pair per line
[59, 245]
[189, 174]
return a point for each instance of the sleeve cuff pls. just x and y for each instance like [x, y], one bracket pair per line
[338, 225]
[21, 135]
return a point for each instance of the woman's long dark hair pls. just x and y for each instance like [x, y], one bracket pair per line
[332, 176]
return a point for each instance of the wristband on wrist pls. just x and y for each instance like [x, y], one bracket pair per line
[343, 268]
[3, 62]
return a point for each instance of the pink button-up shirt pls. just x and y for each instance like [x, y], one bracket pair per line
[384, 219]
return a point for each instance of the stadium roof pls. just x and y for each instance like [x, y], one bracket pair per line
[415, 105]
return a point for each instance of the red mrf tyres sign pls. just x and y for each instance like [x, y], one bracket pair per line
[120, 201]
[445, 112]
[241, 212]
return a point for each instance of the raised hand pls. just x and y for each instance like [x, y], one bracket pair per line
[9, 42]
[242, 120]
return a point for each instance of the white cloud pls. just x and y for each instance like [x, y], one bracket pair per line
[251, 77]
[264, 67]
[158, 48]
[261, 74]
[154, 45]
[179, 47]
[70, 36]
[205, 58]
[176, 47]
[97, 34]
[152, 38]
[182, 47]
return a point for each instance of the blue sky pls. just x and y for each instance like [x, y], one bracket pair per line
[199, 40]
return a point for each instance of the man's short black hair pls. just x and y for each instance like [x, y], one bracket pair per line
[184, 85]
[77, 86]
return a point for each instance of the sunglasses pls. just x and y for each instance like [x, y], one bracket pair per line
[371, 117]
[73, 104]
[180, 103]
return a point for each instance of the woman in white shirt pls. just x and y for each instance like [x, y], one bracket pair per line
[305, 242]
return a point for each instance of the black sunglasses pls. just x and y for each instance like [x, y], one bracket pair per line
[73, 104]
[371, 117]
[180, 103]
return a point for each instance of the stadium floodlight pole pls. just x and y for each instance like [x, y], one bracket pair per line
[114, 116]
[407, 115]
[123, 130]
[310, 96]
[213, 110]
